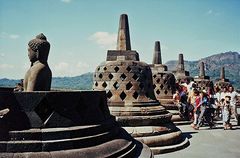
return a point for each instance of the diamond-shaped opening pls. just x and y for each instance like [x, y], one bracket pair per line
[158, 92]
[168, 87]
[104, 84]
[161, 86]
[96, 84]
[110, 76]
[116, 69]
[109, 94]
[94, 75]
[43, 110]
[116, 85]
[135, 95]
[154, 86]
[128, 69]
[123, 76]
[129, 85]
[100, 76]
[165, 91]
[141, 85]
[98, 68]
[158, 80]
[154, 76]
[123, 95]
[105, 68]
[135, 77]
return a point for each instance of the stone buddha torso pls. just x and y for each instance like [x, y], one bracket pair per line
[39, 75]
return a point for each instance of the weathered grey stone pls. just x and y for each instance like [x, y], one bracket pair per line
[129, 88]
[202, 81]
[39, 76]
[89, 128]
[222, 81]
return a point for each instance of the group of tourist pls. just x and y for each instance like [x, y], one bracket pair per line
[202, 106]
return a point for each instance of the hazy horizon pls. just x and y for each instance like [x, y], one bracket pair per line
[81, 32]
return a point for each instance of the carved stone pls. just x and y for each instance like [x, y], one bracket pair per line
[63, 124]
[164, 82]
[39, 75]
[202, 81]
[129, 88]
[180, 74]
[222, 81]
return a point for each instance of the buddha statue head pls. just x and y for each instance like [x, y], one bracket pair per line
[38, 49]
[39, 75]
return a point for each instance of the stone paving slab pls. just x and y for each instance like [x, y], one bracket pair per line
[208, 143]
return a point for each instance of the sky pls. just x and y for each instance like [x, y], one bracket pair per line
[81, 31]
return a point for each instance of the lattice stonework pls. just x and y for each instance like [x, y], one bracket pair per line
[124, 81]
[163, 84]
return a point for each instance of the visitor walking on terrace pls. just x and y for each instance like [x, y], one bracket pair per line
[233, 94]
[226, 112]
[203, 104]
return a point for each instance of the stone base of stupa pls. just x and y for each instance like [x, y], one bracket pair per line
[63, 124]
[152, 126]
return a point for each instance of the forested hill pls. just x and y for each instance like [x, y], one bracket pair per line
[213, 64]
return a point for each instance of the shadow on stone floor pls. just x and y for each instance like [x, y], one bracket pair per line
[188, 134]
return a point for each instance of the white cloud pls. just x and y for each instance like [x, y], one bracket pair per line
[66, 1]
[13, 36]
[2, 55]
[5, 35]
[69, 69]
[5, 67]
[209, 12]
[212, 12]
[105, 40]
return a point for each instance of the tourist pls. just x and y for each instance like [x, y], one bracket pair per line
[217, 98]
[233, 94]
[224, 92]
[226, 112]
[203, 104]
[194, 100]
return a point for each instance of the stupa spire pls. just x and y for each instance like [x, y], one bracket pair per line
[123, 41]
[202, 69]
[180, 65]
[222, 73]
[157, 57]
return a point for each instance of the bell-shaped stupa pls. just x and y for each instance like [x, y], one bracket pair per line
[129, 87]
[222, 81]
[202, 81]
[164, 82]
[180, 73]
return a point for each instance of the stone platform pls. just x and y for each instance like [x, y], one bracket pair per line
[63, 124]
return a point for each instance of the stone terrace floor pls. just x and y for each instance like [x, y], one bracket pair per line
[209, 143]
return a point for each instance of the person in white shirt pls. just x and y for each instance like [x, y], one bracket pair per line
[224, 93]
[233, 94]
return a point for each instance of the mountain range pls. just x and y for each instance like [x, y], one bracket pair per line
[230, 60]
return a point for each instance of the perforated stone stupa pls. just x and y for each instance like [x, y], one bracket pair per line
[222, 81]
[164, 82]
[129, 88]
[202, 81]
[180, 74]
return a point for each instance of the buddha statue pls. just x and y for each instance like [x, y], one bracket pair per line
[39, 75]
